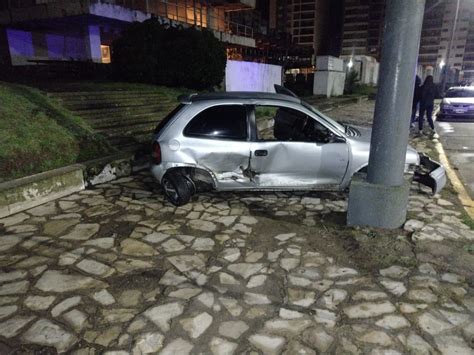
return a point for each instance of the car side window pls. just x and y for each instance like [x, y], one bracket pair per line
[219, 122]
[276, 123]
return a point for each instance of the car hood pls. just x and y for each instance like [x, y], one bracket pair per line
[365, 136]
[458, 100]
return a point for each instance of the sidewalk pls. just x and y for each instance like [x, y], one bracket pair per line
[330, 103]
[117, 270]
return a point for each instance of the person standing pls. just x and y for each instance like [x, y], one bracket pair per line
[429, 92]
[416, 100]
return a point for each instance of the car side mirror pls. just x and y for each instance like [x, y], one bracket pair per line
[334, 138]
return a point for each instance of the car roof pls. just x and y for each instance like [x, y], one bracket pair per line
[237, 95]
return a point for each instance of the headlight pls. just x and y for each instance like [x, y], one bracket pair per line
[446, 106]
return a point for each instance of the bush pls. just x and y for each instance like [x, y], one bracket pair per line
[150, 52]
[364, 89]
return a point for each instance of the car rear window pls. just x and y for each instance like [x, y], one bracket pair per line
[168, 118]
[219, 122]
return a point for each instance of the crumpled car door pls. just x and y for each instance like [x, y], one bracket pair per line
[286, 164]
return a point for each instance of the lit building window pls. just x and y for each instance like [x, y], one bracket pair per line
[105, 50]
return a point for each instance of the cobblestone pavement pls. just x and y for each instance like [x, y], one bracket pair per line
[117, 270]
[361, 113]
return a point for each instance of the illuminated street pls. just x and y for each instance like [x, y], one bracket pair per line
[458, 142]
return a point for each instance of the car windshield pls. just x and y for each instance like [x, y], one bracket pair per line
[341, 128]
[460, 93]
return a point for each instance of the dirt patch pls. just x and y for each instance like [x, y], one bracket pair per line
[366, 249]
[450, 257]
[121, 230]
[147, 279]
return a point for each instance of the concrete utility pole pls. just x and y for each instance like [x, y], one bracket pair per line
[380, 199]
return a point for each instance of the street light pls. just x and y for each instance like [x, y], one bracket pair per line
[350, 64]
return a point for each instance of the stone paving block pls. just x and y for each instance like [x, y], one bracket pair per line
[227, 273]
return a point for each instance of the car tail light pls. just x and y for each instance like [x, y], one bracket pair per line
[156, 153]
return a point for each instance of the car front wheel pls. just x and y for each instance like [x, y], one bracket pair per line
[176, 188]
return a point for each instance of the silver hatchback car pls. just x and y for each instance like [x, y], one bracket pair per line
[263, 141]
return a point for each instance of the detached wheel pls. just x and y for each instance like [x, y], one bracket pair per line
[177, 188]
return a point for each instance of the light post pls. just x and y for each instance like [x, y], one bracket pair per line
[441, 67]
[380, 199]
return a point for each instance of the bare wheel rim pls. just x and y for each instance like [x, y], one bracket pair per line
[170, 190]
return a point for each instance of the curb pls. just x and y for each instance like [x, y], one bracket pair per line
[464, 197]
[31, 191]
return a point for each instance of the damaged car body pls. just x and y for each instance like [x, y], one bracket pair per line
[263, 141]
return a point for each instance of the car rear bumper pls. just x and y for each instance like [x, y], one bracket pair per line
[431, 174]
[158, 171]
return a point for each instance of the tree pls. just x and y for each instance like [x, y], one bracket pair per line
[151, 52]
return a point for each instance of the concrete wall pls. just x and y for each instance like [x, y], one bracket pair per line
[330, 63]
[367, 68]
[330, 76]
[27, 192]
[18, 195]
[250, 76]
[329, 83]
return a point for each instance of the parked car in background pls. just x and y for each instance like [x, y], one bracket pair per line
[457, 104]
[263, 141]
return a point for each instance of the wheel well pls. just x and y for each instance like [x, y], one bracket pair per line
[201, 178]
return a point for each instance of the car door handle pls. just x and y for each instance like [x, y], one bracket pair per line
[261, 153]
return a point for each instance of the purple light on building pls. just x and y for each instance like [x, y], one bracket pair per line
[21, 45]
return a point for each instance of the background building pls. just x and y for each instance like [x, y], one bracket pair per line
[314, 24]
[42, 31]
[363, 27]
[459, 60]
[468, 59]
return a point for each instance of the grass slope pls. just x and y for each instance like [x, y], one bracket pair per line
[114, 86]
[37, 134]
